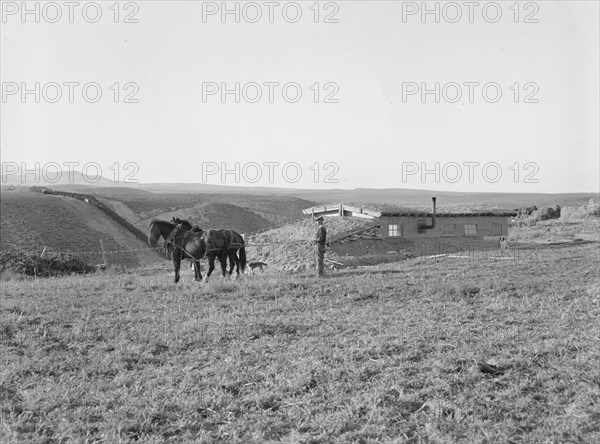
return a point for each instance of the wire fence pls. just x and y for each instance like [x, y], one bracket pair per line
[95, 252]
[98, 248]
[282, 253]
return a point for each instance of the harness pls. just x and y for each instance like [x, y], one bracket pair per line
[232, 244]
[185, 250]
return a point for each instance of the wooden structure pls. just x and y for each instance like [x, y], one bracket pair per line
[341, 210]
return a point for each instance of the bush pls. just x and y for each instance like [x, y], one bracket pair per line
[563, 215]
[56, 264]
[549, 213]
[571, 214]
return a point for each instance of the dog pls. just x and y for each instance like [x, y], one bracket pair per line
[503, 244]
[256, 265]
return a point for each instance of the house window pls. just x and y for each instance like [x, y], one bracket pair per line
[421, 224]
[448, 230]
[394, 230]
[470, 229]
[495, 229]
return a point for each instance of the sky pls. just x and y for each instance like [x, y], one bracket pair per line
[495, 97]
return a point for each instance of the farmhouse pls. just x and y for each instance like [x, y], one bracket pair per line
[423, 233]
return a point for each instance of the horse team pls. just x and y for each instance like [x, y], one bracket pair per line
[185, 241]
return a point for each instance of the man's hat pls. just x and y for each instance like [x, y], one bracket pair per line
[320, 218]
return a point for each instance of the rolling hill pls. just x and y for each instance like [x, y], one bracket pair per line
[449, 200]
[32, 221]
[243, 213]
[57, 178]
[185, 195]
[403, 197]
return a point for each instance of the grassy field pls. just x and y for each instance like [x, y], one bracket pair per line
[428, 350]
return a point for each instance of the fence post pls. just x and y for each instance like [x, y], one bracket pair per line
[103, 253]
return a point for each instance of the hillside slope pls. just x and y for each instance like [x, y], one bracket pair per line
[242, 213]
[218, 215]
[32, 221]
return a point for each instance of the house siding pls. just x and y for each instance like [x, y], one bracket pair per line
[486, 226]
[441, 241]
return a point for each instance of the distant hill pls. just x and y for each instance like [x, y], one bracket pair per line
[447, 200]
[104, 187]
[32, 221]
[58, 178]
[106, 191]
[402, 197]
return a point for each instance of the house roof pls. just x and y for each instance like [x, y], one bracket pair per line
[334, 208]
[424, 214]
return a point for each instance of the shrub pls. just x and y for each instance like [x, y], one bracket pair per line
[56, 264]
[571, 214]
[567, 214]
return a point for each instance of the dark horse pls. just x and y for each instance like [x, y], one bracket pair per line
[221, 244]
[162, 228]
[167, 230]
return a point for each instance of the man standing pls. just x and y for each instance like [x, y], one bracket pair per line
[321, 240]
